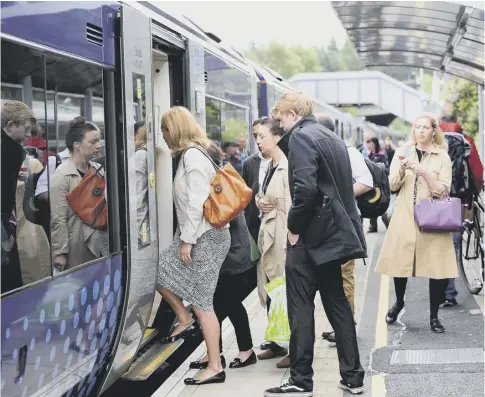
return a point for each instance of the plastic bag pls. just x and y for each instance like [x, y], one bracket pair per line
[278, 329]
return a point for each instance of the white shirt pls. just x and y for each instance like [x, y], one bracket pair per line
[262, 168]
[360, 171]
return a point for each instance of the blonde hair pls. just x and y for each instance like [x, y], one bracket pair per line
[183, 130]
[295, 101]
[439, 138]
[141, 137]
[17, 112]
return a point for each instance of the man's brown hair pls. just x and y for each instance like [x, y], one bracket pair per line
[297, 101]
[17, 112]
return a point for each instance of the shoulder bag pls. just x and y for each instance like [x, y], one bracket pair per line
[229, 194]
[87, 199]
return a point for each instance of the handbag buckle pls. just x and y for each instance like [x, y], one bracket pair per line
[218, 188]
[97, 191]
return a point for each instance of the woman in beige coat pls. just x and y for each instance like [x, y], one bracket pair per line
[73, 242]
[406, 251]
[274, 202]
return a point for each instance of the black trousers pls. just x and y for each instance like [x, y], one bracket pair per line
[228, 297]
[303, 279]
[437, 288]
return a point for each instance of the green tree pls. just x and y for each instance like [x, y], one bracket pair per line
[286, 60]
[464, 96]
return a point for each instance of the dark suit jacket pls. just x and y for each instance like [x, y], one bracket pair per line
[318, 167]
[251, 177]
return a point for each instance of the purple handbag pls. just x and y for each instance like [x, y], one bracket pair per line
[440, 215]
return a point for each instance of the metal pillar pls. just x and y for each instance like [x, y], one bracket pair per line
[481, 121]
[27, 93]
[88, 105]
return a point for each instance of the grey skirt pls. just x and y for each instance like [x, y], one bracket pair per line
[195, 282]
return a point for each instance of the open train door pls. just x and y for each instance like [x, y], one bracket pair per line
[135, 83]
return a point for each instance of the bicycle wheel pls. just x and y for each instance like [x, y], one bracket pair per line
[472, 259]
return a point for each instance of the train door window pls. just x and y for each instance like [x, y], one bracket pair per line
[141, 160]
[213, 120]
[78, 176]
[25, 228]
[235, 130]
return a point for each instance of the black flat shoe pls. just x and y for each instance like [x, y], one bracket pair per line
[191, 330]
[238, 363]
[217, 378]
[436, 326]
[266, 345]
[205, 364]
[392, 314]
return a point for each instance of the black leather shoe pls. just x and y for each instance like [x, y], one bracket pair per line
[205, 364]
[266, 345]
[217, 378]
[238, 363]
[191, 330]
[392, 314]
[436, 326]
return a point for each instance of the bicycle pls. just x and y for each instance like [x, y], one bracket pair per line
[472, 249]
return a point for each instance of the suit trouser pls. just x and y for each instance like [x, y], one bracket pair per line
[349, 283]
[303, 279]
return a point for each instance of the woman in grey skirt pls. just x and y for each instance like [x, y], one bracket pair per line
[189, 268]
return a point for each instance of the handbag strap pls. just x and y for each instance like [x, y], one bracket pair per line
[204, 152]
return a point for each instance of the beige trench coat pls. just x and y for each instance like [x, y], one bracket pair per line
[273, 230]
[69, 235]
[406, 251]
[32, 242]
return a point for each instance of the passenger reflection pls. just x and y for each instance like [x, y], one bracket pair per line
[75, 240]
[17, 119]
[141, 169]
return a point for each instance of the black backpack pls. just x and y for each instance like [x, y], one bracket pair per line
[458, 150]
[375, 202]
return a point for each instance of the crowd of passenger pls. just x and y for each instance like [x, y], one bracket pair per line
[303, 225]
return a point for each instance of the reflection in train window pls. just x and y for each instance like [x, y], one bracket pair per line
[25, 222]
[141, 157]
[213, 120]
[79, 209]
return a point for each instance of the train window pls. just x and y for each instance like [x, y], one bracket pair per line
[235, 128]
[140, 161]
[213, 120]
[25, 227]
[77, 188]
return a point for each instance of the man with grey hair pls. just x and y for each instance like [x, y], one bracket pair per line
[363, 182]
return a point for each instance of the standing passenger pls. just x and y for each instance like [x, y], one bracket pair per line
[254, 170]
[406, 251]
[189, 268]
[363, 183]
[237, 279]
[324, 232]
[274, 202]
[17, 120]
[73, 241]
[376, 155]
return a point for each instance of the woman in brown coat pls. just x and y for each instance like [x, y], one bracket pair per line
[406, 251]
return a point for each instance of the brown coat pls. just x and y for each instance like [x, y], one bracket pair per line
[434, 252]
[273, 231]
[69, 235]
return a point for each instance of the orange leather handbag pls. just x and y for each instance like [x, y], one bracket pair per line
[229, 195]
[87, 200]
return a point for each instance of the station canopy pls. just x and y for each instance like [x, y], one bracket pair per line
[442, 36]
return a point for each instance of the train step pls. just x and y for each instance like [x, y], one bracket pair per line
[151, 357]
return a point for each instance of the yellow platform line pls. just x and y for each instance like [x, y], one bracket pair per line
[378, 381]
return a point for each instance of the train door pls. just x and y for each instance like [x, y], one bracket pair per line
[168, 88]
[136, 107]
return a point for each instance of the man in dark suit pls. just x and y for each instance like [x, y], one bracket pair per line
[324, 232]
[253, 174]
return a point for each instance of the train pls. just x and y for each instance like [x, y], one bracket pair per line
[77, 332]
